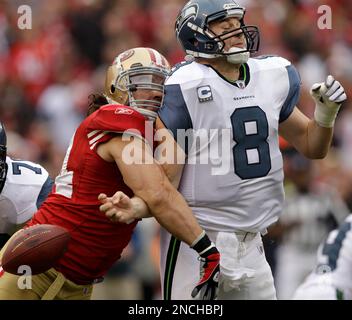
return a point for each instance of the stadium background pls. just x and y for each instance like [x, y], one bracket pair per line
[48, 72]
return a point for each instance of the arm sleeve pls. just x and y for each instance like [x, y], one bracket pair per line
[175, 115]
[116, 118]
[294, 82]
[44, 192]
[112, 119]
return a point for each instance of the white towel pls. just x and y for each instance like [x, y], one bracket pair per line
[232, 272]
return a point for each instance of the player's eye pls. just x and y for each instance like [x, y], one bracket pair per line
[224, 31]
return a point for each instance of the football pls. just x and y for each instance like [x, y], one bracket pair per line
[38, 247]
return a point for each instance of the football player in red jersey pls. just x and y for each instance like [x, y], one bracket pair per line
[96, 163]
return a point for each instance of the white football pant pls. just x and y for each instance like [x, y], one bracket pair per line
[245, 273]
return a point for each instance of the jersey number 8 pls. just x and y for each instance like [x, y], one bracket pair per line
[250, 132]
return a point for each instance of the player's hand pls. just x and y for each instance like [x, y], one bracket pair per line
[328, 97]
[330, 93]
[207, 287]
[117, 208]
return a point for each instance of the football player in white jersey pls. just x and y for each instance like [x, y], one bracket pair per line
[331, 279]
[24, 185]
[309, 214]
[242, 104]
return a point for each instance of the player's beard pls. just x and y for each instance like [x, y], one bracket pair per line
[238, 58]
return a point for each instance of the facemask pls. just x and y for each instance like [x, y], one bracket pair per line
[237, 58]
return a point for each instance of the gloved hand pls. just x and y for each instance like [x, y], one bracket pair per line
[328, 97]
[207, 286]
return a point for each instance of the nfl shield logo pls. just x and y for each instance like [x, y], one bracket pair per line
[241, 84]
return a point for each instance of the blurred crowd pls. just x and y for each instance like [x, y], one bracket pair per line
[48, 72]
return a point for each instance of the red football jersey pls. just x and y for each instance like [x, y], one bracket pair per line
[96, 242]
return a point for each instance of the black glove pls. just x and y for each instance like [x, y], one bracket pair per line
[207, 286]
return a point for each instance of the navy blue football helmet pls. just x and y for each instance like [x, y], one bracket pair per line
[197, 39]
[3, 151]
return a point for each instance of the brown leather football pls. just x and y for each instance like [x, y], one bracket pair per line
[38, 247]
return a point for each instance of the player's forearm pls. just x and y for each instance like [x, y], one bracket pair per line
[176, 217]
[306, 135]
[328, 97]
[172, 212]
[173, 173]
[318, 140]
[140, 208]
[147, 180]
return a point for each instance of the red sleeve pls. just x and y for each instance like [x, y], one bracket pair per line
[117, 118]
[112, 119]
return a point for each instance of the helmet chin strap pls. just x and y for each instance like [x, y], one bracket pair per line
[237, 58]
[109, 100]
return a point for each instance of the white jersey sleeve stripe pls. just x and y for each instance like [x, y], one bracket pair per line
[91, 134]
[99, 136]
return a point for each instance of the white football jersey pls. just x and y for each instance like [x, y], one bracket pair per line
[233, 177]
[335, 255]
[334, 267]
[26, 187]
[317, 287]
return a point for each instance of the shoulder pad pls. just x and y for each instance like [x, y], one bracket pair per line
[178, 66]
[188, 72]
[273, 60]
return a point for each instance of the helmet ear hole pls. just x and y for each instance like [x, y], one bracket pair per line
[112, 88]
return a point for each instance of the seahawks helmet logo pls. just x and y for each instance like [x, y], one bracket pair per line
[191, 11]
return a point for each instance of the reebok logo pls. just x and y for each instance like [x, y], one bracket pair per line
[123, 111]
